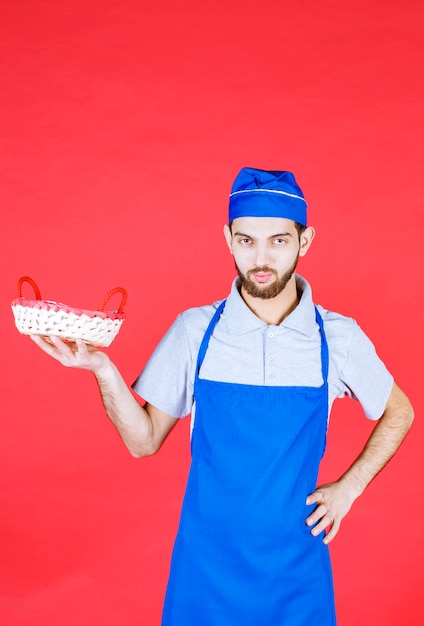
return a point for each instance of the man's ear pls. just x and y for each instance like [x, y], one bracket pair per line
[306, 239]
[228, 237]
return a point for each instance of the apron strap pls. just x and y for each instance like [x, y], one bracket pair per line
[207, 335]
[324, 346]
[215, 318]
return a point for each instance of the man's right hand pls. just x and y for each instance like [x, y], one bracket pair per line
[73, 354]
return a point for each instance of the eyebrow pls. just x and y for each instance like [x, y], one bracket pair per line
[240, 234]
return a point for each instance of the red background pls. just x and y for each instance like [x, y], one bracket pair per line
[123, 126]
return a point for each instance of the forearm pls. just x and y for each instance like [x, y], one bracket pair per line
[131, 420]
[385, 439]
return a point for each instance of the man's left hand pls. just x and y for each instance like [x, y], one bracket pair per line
[333, 503]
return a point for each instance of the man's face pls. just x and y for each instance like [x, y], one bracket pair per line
[266, 251]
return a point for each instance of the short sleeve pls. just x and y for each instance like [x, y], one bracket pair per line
[166, 380]
[365, 376]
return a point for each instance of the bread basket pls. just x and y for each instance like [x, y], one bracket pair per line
[45, 317]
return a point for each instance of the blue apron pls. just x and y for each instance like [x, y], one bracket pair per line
[243, 555]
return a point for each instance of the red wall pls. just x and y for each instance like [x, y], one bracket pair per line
[123, 126]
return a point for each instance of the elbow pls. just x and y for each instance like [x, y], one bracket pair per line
[399, 409]
[411, 414]
[140, 454]
[406, 418]
[141, 451]
[408, 412]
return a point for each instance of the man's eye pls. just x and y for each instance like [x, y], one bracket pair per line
[245, 240]
[280, 242]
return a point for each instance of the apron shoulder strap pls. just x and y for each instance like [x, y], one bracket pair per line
[207, 335]
[324, 346]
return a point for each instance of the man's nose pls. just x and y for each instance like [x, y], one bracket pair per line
[262, 256]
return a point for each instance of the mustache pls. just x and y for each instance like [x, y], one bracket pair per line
[262, 268]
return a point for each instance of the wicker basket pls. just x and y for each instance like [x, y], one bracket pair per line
[44, 317]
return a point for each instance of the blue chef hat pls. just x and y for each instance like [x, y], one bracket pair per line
[257, 193]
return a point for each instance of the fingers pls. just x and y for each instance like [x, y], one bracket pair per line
[315, 497]
[331, 532]
[319, 519]
[323, 518]
[45, 343]
[72, 353]
[58, 349]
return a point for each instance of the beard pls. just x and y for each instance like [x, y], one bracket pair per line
[266, 291]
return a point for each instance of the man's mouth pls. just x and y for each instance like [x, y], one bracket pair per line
[262, 277]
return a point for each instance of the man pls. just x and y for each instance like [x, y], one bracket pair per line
[258, 372]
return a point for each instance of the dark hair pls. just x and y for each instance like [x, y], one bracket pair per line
[300, 228]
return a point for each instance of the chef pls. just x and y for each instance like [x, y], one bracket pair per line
[258, 372]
